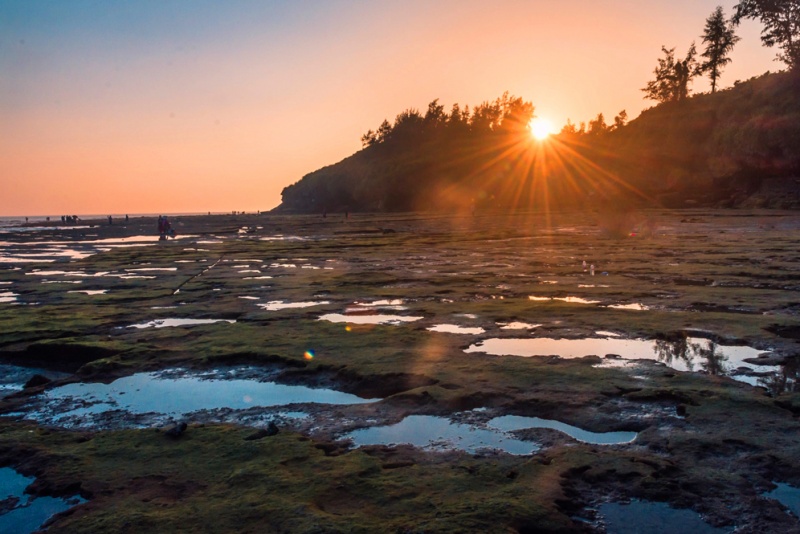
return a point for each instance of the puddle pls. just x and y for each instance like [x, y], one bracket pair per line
[787, 495]
[163, 323]
[14, 377]
[689, 354]
[606, 334]
[368, 319]
[509, 423]
[175, 393]
[634, 306]
[571, 300]
[17, 259]
[642, 517]
[517, 325]
[24, 513]
[62, 281]
[283, 238]
[438, 433]
[256, 277]
[276, 305]
[456, 329]
[385, 304]
[90, 291]
[8, 296]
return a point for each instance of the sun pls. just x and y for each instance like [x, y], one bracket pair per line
[541, 129]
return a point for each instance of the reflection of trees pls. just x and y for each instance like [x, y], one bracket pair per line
[708, 355]
[711, 360]
[783, 381]
[673, 351]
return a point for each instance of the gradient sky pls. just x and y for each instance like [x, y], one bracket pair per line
[146, 106]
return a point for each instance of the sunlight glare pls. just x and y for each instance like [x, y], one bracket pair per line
[541, 128]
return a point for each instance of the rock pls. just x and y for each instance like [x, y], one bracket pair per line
[271, 430]
[36, 381]
[175, 430]
[681, 410]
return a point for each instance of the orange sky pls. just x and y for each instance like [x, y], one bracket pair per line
[194, 106]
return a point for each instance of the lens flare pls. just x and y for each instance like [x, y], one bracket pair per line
[309, 354]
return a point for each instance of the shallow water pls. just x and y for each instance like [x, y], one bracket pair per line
[277, 305]
[633, 306]
[456, 329]
[176, 393]
[30, 513]
[517, 325]
[368, 319]
[572, 300]
[8, 296]
[163, 323]
[787, 495]
[510, 423]
[691, 354]
[439, 433]
[642, 517]
[14, 377]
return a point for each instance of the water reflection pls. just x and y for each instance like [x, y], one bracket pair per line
[682, 354]
[709, 357]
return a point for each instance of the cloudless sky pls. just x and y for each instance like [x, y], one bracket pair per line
[114, 106]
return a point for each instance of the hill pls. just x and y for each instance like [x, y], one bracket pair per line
[737, 147]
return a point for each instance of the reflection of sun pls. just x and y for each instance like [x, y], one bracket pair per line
[541, 128]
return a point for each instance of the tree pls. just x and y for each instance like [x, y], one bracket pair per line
[598, 125]
[620, 120]
[719, 37]
[672, 77]
[781, 20]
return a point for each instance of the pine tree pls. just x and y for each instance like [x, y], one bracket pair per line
[720, 38]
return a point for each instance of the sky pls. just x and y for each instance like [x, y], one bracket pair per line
[183, 106]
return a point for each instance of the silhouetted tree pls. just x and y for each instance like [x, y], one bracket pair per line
[435, 116]
[369, 138]
[672, 77]
[569, 128]
[384, 130]
[781, 19]
[620, 120]
[598, 125]
[719, 37]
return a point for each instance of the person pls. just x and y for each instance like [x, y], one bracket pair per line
[110, 221]
[168, 231]
[126, 217]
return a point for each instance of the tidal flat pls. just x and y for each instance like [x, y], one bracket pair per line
[292, 301]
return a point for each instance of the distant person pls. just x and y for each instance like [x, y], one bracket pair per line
[63, 219]
[26, 219]
[126, 217]
[110, 220]
[168, 230]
